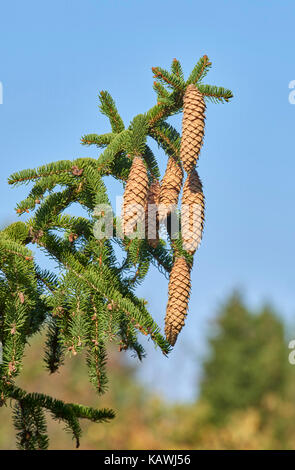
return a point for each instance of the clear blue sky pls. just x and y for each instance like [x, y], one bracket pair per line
[55, 57]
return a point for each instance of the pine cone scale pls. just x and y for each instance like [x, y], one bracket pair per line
[178, 296]
[193, 125]
[192, 212]
[153, 198]
[170, 187]
[135, 194]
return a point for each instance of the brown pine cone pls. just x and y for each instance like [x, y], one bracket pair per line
[135, 196]
[152, 215]
[193, 125]
[170, 187]
[192, 212]
[178, 297]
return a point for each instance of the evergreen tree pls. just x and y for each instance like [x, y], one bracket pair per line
[91, 300]
[248, 359]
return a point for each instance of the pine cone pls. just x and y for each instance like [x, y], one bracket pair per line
[135, 196]
[192, 212]
[170, 187]
[178, 297]
[193, 124]
[151, 213]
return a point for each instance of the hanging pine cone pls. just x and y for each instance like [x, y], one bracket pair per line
[192, 212]
[151, 213]
[178, 297]
[170, 187]
[135, 196]
[193, 124]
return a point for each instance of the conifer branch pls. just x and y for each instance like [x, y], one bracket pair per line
[99, 140]
[176, 69]
[215, 94]
[151, 162]
[117, 145]
[161, 91]
[91, 301]
[173, 81]
[44, 171]
[67, 412]
[199, 71]
[108, 108]
[167, 137]
[54, 349]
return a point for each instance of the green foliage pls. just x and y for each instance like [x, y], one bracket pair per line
[176, 69]
[151, 163]
[159, 424]
[136, 138]
[99, 140]
[108, 107]
[90, 302]
[54, 348]
[30, 423]
[167, 137]
[29, 419]
[215, 94]
[247, 359]
[171, 79]
[199, 71]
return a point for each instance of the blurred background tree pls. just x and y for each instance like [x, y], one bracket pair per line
[246, 399]
[248, 358]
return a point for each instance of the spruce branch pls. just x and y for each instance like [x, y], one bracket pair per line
[172, 80]
[29, 422]
[116, 146]
[54, 348]
[151, 163]
[176, 69]
[99, 140]
[91, 300]
[51, 169]
[199, 71]
[165, 108]
[167, 137]
[161, 91]
[68, 412]
[215, 94]
[136, 139]
[108, 107]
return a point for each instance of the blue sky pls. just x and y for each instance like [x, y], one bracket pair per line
[55, 57]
